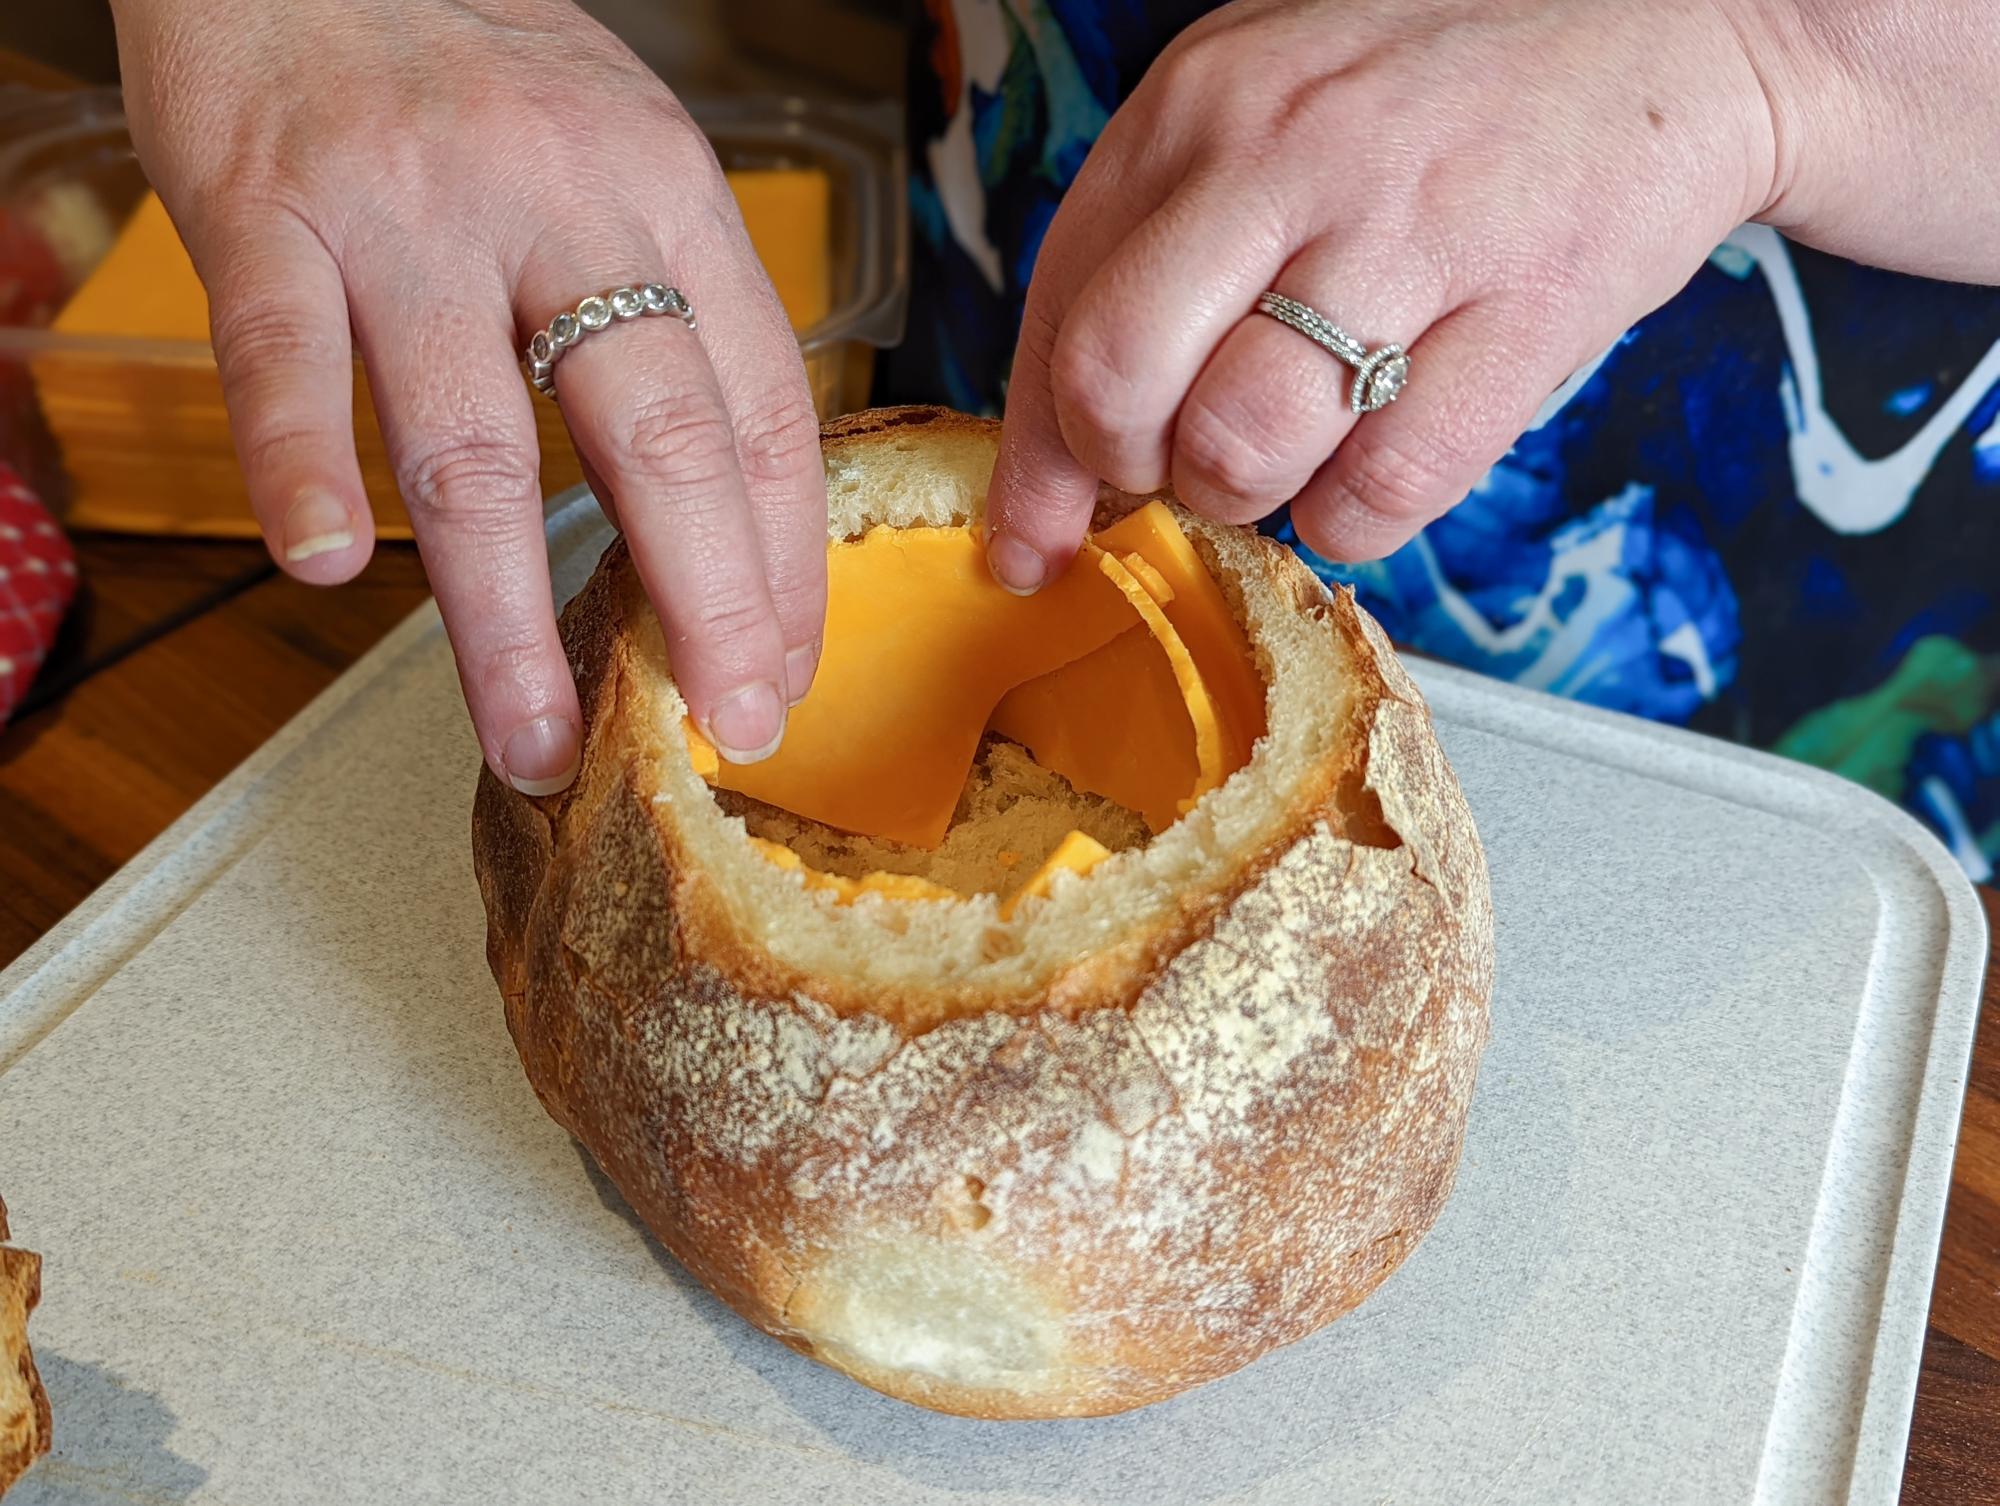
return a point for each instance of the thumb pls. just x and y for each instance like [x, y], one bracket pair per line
[1039, 504]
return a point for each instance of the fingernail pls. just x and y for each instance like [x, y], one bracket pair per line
[317, 524]
[1015, 565]
[746, 725]
[541, 756]
[800, 665]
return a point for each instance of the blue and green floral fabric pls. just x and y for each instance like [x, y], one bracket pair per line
[1770, 512]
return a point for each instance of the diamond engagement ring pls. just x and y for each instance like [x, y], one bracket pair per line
[1379, 375]
[595, 313]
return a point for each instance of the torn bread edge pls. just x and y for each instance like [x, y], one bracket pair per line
[25, 1422]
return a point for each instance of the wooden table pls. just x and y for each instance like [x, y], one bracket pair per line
[187, 656]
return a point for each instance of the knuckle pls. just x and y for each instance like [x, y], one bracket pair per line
[1197, 66]
[316, 164]
[1039, 329]
[266, 442]
[1228, 451]
[679, 134]
[799, 601]
[668, 436]
[734, 617]
[1091, 386]
[1547, 296]
[684, 149]
[517, 665]
[473, 481]
[781, 439]
[1308, 111]
[1404, 479]
[331, 157]
[253, 336]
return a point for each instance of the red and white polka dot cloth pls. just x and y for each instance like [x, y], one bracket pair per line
[37, 580]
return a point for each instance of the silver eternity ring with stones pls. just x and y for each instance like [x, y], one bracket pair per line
[597, 312]
[1379, 375]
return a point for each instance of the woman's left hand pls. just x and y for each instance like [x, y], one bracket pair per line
[1502, 190]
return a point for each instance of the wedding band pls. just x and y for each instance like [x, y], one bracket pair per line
[599, 311]
[1379, 375]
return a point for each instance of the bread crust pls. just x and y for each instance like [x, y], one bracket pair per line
[25, 1424]
[1209, 1137]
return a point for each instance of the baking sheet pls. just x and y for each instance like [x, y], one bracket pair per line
[308, 1235]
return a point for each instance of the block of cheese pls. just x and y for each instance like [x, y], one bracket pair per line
[146, 287]
[143, 431]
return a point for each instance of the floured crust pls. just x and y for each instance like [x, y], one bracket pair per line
[1133, 1172]
[25, 1426]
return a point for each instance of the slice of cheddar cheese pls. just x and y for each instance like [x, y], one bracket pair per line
[1116, 722]
[1133, 721]
[701, 753]
[1194, 696]
[1078, 853]
[921, 644]
[1112, 724]
[1201, 616]
[1154, 582]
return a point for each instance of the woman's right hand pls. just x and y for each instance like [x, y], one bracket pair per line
[427, 182]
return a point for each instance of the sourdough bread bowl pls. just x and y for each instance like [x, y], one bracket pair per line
[999, 1148]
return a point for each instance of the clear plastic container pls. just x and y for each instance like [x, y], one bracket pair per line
[127, 434]
[860, 149]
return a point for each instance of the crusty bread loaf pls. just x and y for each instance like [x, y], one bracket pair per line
[24, 1405]
[1191, 1106]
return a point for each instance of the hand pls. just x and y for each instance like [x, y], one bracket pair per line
[429, 181]
[1502, 190]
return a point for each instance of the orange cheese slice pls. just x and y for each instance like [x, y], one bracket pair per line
[701, 753]
[1194, 695]
[921, 644]
[1154, 582]
[1117, 722]
[1079, 852]
[1133, 721]
[1202, 617]
[1112, 724]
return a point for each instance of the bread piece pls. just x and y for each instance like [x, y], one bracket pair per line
[1187, 1108]
[24, 1406]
